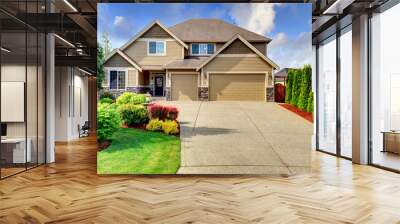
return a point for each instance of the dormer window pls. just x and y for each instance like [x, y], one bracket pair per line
[156, 48]
[202, 49]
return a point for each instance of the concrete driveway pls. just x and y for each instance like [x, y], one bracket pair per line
[242, 138]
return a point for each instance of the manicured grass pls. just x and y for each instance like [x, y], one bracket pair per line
[136, 151]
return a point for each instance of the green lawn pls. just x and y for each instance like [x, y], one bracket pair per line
[136, 151]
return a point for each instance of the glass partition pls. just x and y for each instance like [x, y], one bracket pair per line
[22, 98]
[14, 154]
[385, 89]
[346, 92]
[327, 95]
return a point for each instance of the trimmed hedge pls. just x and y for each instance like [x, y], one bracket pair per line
[298, 89]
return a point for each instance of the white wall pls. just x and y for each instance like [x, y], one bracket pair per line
[71, 87]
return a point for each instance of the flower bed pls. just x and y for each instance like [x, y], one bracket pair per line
[306, 115]
[131, 110]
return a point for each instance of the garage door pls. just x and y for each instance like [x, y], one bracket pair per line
[246, 87]
[184, 86]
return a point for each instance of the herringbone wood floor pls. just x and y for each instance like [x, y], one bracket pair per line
[69, 191]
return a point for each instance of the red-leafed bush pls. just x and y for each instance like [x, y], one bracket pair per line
[163, 112]
[172, 113]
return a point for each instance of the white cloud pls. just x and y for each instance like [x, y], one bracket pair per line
[259, 18]
[119, 20]
[291, 52]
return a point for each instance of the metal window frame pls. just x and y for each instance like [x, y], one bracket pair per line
[338, 152]
[381, 9]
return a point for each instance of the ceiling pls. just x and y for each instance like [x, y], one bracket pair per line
[74, 22]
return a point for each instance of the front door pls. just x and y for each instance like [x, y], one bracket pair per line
[159, 86]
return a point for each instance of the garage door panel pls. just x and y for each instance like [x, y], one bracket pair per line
[243, 87]
[184, 87]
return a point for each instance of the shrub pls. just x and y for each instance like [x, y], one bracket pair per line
[106, 101]
[170, 127]
[172, 113]
[155, 125]
[132, 114]
[310, 103]
[296, 87]
[288, 90]
[305, 88]
[106, 95]
[131, 98]
[158, 111]
[108, 120]
[163, 112]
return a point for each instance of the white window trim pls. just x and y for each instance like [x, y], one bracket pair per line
[118, 69]
[156, 40]
[191, 53]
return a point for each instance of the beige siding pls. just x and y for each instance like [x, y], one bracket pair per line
[117, 61]
[156, 32]
[138, 52]
[237, 47]
[243, 87]
[144, 78]
[218, 46]
[261, 47]
[238, 64]
[132, 77]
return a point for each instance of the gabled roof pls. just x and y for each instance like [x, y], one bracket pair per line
[212, 30]
[238, 37]
[124, 56]
[149, 27]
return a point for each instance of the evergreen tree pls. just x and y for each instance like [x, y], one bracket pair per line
[305, 88]
[100, 67]
[310, 102]
[296, 87]
[288, 89]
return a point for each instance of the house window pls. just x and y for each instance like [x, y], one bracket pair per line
[117, 79]
[202, 49]
[156, 48]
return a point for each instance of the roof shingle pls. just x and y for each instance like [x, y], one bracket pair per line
[212, 30]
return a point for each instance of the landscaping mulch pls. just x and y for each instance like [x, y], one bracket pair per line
[139, 126]
[306, 115]
[104, 144]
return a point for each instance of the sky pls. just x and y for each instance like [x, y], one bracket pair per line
[288, 25]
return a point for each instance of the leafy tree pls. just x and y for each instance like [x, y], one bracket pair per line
[100, 67]
[106, 44]
[305, 88]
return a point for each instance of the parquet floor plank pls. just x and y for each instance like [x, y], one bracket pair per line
[70, 191]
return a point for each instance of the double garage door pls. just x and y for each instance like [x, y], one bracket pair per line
[232, 86]
[222, 87]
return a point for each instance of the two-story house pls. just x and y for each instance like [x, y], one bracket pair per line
[199, 59]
